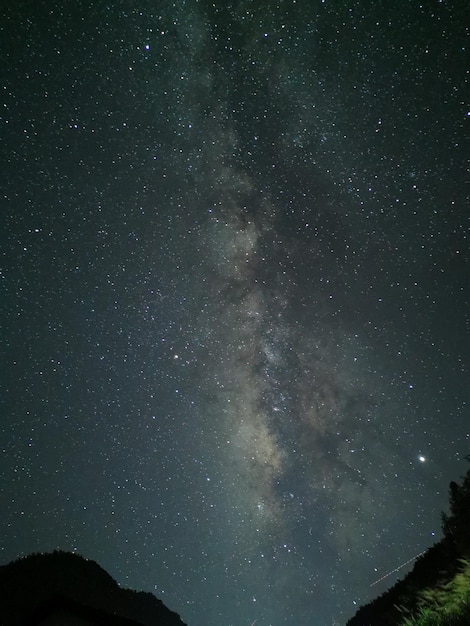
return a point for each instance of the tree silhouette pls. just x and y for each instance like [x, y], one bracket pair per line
[456, 524]
[438, 586]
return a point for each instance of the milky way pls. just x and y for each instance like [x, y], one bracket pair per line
[235, 318]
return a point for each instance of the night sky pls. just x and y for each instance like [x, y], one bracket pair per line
[234, 306]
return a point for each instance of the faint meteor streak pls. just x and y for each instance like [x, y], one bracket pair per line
[396, 569]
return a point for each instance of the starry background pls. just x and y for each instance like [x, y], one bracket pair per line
[234, 263]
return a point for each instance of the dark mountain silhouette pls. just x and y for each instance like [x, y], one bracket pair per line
[437, 590]
[60, 611]
[40, 587]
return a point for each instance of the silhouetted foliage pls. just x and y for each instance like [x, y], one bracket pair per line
[448, 605]
[437, 574]
[456, 524]
[29, 585]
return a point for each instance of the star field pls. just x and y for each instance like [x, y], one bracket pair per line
[234, 262]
